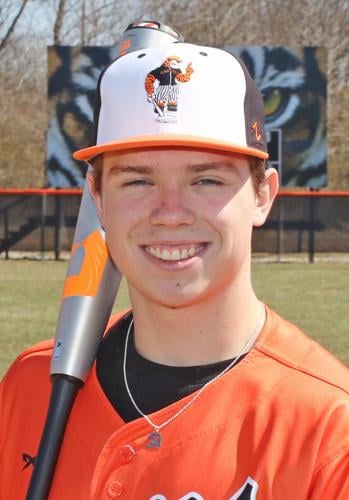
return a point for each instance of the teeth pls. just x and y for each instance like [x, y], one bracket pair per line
[165, 255]
[175, 254]
[184, 254]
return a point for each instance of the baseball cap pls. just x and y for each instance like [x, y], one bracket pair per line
[178, 94]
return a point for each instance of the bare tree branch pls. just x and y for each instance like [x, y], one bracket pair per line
[12, 25]
[59, 22]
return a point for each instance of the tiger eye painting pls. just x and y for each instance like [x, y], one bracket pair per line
[294, 88]
[292, 81]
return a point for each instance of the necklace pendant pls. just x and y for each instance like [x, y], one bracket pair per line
[154, 440]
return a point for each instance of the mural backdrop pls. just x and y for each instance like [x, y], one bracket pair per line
[292, 81]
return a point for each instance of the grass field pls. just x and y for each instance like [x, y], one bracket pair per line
[314, 296]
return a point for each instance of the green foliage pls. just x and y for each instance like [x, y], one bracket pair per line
[312, 296]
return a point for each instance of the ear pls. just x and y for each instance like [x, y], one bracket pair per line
[267, 193]
[96, 195]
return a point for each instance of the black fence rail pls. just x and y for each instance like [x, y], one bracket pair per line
[306, 221]
[43, 220]
[38, 220]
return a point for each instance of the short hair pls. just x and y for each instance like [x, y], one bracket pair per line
[257, 169]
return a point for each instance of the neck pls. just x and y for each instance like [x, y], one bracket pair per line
[205, 332]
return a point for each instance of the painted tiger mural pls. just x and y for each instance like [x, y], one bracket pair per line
[294, 87]
[292, 81]
[72, 78]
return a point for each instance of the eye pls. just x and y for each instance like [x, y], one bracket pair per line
[275, 101]
[137, 182]
[208, 181]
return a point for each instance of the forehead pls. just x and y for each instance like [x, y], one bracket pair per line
[178, 158]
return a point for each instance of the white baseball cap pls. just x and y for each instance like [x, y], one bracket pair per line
[178, 95]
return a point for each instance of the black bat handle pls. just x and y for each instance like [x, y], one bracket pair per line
[63, 394]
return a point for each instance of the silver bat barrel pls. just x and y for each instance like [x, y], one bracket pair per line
[91, 285]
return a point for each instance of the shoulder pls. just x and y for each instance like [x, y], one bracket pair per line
[31, 358]
[156, 71]
[289, 347]
[306, 385]
[28, 377]
[34, 362]
[24, 395]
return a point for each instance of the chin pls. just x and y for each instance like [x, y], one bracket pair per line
[176, 304]
[174, 298]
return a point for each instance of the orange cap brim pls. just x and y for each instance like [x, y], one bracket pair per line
[161, 140]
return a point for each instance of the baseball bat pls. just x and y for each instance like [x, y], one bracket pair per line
[89, 292]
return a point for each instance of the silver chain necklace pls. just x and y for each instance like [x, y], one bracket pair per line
[155, 438]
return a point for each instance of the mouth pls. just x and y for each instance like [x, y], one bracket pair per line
[175, 254]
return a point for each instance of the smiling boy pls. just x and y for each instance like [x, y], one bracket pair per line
[200, 391]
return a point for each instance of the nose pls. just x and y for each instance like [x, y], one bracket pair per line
[171, 210]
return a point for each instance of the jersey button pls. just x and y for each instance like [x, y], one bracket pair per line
[126, 454]
[115, 489]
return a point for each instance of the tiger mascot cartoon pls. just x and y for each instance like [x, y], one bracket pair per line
[161, 86]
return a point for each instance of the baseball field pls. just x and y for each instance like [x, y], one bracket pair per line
[314, 296]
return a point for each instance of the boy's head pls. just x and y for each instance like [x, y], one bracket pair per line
[179, 130]
[178, 95]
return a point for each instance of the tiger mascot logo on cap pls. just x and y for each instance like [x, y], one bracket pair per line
[161, 86]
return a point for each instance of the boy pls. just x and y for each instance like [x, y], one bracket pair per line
[201, 391]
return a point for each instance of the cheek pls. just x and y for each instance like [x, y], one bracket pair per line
[234, 224]
[234, 204]
[122, 223]
[237, 212]
[120, 211]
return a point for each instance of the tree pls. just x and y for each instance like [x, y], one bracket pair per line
[100, 22]
[6, 12]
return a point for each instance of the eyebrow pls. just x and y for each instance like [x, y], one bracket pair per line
[221, 165]
[196, 168]
[138, 169]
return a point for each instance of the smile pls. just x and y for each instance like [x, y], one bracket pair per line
[175, 254]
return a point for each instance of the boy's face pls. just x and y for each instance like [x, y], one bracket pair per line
[178, 222]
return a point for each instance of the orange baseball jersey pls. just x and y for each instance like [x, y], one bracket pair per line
[275, 427]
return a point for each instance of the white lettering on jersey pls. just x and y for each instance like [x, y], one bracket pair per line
[189, 496]
[248, 490]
